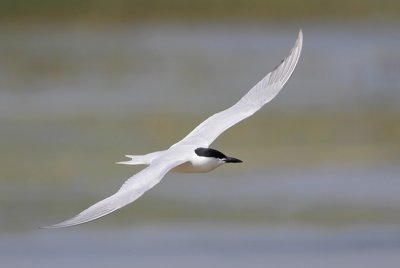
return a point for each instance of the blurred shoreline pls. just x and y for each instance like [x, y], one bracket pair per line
[23, 13]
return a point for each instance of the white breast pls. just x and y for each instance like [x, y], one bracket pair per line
[199, 164]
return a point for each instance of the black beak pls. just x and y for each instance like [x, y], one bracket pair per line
[232, 160]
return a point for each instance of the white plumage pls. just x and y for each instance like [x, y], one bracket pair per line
[191, 154]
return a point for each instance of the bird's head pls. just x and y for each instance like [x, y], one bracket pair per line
[208, 152]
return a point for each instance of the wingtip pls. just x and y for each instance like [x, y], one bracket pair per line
[300, 37]
[49, 227]
[57, 225]
[64, 224]
[69, 223]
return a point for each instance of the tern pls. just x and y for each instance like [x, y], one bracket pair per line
[192, 154]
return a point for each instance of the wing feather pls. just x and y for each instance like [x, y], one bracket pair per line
[131, 190]
[263, 92]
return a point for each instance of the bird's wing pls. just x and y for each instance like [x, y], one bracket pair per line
[264, 91]
[131, 190]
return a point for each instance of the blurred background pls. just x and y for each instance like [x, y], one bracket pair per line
[82, 83]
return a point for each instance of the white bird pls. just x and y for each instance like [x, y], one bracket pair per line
[192, 153]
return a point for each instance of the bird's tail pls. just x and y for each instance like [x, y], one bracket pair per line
[134, 160]
[140, 159]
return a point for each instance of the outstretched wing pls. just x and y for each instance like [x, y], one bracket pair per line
[131, 190]
[264, 91]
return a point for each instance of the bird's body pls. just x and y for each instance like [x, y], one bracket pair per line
[192, 154]
[198, 160]
[197, 164]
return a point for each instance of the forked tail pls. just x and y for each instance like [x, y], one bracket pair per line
[140, 159]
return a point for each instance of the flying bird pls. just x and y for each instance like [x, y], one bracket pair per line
[192, 154]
